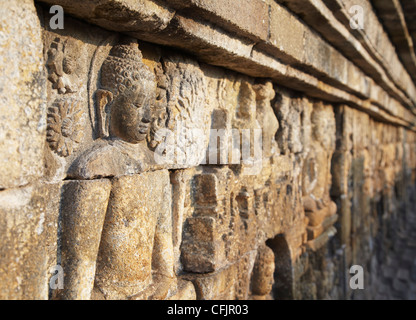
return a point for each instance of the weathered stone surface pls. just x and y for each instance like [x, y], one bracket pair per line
[288, 40]
[198, 173]
[289, 135]
[181, 142]
[238, 17]
[185, 291]
[29, 219]
[262, 277]
[22, 96]
[229, 283]
[362, 54]
[137, 238]
[83, 210]
[121, 15]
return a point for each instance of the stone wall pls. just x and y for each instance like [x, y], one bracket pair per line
[164, 149]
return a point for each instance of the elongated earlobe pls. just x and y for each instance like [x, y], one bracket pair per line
[104, 97]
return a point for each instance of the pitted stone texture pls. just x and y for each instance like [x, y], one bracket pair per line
[83, 207]
[137, 238]
[22, 95]
[288, 112]
[28, 231]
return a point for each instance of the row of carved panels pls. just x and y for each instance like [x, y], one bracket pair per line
[117, 107]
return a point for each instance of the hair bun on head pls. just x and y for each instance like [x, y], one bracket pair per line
[128, 49]
[124, 69]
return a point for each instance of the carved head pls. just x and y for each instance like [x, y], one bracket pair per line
[323, 125]
[127, 93]
[262, 277]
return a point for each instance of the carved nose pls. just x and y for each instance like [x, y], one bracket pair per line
[146, 117]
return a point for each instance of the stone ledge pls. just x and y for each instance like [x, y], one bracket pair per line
[374, 39]
[228, 14]
[393, 17]
[409, 9]
[120, 15]
[397, 83]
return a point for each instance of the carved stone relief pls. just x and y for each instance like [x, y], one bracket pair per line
[159, 234]
[316, 178]
[139, 171]
[61, 65]
[65, 124]
[123, 107]
[182, 119]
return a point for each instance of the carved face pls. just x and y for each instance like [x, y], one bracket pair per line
[130, 113]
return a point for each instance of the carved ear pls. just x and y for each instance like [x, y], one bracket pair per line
[104, 97]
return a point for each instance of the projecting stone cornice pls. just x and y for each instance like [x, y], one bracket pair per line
[393, 15]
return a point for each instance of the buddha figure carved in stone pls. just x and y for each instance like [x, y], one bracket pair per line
[135, 255]
[124, 100]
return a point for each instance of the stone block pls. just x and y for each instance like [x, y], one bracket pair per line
[249, 18]
[319, 242]
[83, 207]
[201, 245]
[314, 232]
[28, 229]
[286, 33]
[206, 189]
[135, 258]
[120, 15]
[230, 283]
[202, 228]
[22, 94]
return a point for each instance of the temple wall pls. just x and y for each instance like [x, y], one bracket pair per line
[205, 150]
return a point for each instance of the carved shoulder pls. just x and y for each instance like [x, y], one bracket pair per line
[107, 159]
